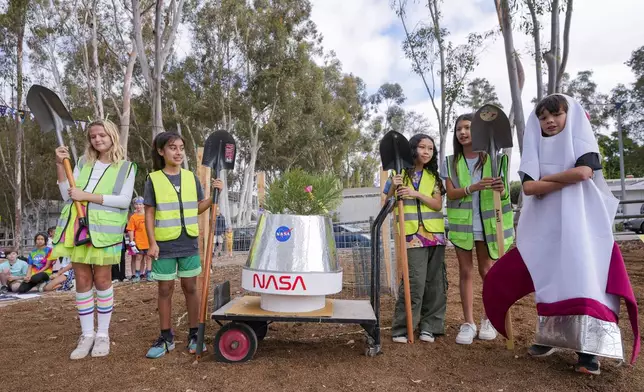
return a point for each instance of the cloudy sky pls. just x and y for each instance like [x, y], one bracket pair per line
[367, 37]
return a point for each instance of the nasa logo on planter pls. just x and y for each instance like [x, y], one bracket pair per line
[283, 233]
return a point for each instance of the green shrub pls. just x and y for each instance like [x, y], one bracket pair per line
[288, 194]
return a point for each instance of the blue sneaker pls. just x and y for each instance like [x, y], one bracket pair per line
[192, 345]
[160, 348]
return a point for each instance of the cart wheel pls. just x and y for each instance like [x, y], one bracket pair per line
[260, 328]
[235, 342]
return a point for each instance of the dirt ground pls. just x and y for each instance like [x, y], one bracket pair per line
[37, 336]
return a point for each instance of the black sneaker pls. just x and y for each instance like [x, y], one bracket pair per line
[539, 351]
[160, 348]
[587, 364]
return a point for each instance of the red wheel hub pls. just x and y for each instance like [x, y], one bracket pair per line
[234, 345]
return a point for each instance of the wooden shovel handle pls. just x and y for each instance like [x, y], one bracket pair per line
[72, 184]
[404, 267]
[500, 244]
[206, 277]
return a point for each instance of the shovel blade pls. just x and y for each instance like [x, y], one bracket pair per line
[47, 108]
[219, 151]
[491, 129]
[395, 152]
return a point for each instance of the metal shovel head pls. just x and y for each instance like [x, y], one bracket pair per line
[395, 152]
[47, 108]
[491, 127]
[220, 151]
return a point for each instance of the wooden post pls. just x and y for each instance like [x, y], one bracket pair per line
[203, 173]
[261, 189]
[386, 237]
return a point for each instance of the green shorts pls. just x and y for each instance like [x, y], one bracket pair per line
[166, 269]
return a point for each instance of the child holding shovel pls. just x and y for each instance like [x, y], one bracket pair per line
[104, 186]
[173, 198]
[470, 212]
[422, 192]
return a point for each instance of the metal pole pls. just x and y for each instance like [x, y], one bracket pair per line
[618, 106]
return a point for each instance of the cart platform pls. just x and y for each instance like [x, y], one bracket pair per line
[343, 312]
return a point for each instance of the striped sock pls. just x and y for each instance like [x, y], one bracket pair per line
[85, 306]
[104, 306]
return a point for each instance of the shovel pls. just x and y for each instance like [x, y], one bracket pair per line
[491, 131]
[50, 113]
[395, 154]
[219, 153]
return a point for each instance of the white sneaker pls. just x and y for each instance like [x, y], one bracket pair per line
[427, 337]
[399, 339]
[466, 334]
[101, 346]
[487, 331]
[83, 347]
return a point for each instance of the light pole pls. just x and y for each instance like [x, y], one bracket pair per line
[618, 107]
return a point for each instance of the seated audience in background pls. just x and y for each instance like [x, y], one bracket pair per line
[63, 280]
[39, 266]
[12, 271]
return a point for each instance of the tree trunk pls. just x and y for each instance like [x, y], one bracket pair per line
[442, 121]
[245, 196]
[536, 29]
[552, 56]
[19, 131]
[178, 119]
[506, 28]
[127, 98]
[157, 119]
[98, 81]
[566, 45]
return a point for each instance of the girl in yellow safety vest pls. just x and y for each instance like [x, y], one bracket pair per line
[173, 198]
[469, 180]
[104, 186]
[422, 192]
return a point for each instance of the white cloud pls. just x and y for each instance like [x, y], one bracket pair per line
[366, 36]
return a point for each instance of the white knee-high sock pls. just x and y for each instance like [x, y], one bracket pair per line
[85, 306]
[104, 306]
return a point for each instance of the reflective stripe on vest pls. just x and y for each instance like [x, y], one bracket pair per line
[175, 210]
[459, 212]
[106, 224]
[415, 211]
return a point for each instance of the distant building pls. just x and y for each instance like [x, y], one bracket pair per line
[634, 191]
[358, 204]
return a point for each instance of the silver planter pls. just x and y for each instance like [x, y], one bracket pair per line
[293, 263]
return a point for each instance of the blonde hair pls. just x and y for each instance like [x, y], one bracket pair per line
[116, 152]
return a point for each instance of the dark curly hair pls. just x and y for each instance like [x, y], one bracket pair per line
[432, 165]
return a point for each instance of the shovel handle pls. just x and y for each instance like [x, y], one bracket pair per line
[203, 306]
[500, 244]
[402, 263]
[70, 179]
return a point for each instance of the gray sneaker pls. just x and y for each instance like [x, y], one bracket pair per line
[83, 347]
[101, 346]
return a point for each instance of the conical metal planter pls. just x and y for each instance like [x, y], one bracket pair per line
[293, 263]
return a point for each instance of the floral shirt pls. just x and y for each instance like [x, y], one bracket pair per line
[421, 238]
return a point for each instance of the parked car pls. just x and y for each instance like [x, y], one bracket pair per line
[636, 225]
[347, 236]
[242, 238]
